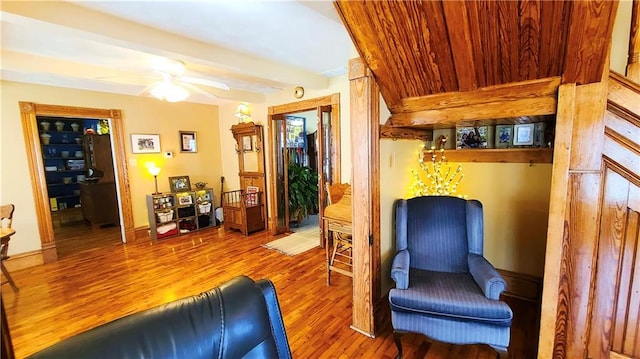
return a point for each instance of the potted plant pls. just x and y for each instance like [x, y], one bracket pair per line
[303, 191]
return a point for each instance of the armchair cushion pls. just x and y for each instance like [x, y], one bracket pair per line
[486, 276]
[400, 269]
[449, 295]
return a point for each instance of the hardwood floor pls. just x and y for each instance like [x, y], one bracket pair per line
[95, 286]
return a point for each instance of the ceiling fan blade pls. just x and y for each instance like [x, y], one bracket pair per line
[197, 89]
[198, 81]
[147, 90]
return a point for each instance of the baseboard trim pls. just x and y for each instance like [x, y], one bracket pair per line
[24, 260]
[523, 286]
[141, 234]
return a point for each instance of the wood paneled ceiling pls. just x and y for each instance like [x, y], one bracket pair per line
[420, 48]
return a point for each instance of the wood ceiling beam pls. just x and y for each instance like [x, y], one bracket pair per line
[527, 98]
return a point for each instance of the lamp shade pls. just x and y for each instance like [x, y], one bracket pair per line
[154, 170]
[242, 111]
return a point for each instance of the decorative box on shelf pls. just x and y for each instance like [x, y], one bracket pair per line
[171, 214]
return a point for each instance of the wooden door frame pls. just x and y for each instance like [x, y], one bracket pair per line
[332, 100]
[28, 113]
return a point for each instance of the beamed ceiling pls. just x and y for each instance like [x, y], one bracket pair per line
[418, 49]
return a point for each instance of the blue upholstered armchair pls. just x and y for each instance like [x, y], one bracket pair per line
[445, 288]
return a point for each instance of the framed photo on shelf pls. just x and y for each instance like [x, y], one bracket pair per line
[186, 199]
[472, 137]
[523, 134]
[179, 183]
[188, 142]
[504, 136]
[145, 143]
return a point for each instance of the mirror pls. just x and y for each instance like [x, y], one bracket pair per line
[250, 153]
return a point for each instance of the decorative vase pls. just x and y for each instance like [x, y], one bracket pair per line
[75, 127]
[59, 125]
[45, 125]
[46, 138]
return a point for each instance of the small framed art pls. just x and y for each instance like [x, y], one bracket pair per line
[188, 141]
[523, 134]
[186, 199]
[145, 143]
[179, 183]
[504, 136]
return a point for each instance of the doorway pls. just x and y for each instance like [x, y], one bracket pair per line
[80, 177]
[319, 148]
[31, 128]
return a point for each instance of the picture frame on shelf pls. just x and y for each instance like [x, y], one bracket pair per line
[188, 142]
[179, 184]
[504, 136]
[538, 135]
[523, 134]
[185, 200]
[145, 143]
[472, 137]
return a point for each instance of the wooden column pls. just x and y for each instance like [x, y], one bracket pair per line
[573, 226]
[633, 67]
[365, 177]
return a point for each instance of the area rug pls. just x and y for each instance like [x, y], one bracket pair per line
[297, 242]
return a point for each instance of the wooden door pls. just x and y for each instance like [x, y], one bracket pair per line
[615, 321]
[326, 145]
[278, 178]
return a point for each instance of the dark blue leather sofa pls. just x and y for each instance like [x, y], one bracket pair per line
[239, 319]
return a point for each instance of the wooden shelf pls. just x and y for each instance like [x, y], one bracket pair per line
[498, 155]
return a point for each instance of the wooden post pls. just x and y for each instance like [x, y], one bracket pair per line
[365, 177]
[633, 67]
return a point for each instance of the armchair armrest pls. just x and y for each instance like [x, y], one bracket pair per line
[486, 276]
[400, 269]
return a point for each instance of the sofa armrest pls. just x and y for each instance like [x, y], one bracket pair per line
[275, 317]
[486, 276]
[400, 269]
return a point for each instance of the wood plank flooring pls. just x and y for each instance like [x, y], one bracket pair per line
[94, 286]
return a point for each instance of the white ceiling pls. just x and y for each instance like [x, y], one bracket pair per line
[254, 47]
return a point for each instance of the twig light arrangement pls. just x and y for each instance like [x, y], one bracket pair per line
[441, 178]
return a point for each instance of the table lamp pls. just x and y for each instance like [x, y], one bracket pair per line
[155, 171]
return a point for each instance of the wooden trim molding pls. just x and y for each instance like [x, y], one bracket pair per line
[523, 286]
[142, 234]
[28, 113]
[24, 260]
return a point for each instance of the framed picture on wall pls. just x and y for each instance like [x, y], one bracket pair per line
[145, 143]
[188, 141]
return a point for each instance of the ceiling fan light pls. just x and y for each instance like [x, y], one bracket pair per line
[169, 91]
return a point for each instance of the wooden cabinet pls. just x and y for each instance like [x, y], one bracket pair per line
[97, 150]
[172, 214]
[244, 209]
[99, 203]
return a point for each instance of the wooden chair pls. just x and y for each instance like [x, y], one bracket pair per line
[339, 258]
[6, 217]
